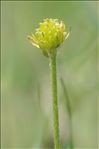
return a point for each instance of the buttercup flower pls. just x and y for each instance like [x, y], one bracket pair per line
[49, 36]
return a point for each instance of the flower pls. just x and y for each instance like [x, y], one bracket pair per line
[49, 36]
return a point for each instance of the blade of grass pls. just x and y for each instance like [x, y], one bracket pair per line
[69, 110]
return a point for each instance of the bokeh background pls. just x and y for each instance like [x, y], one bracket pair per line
[26, 94]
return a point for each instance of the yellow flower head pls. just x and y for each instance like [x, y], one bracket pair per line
[49, 36]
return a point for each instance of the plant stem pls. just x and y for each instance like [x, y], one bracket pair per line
[54, 99]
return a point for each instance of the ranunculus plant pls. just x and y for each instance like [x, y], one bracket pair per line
[48, 37]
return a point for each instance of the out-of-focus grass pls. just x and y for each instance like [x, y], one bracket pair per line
[26, 123]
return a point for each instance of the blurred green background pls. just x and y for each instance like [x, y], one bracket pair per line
[26, 95]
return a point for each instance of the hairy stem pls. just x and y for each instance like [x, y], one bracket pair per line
[54, 100]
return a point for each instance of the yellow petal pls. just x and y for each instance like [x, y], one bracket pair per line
[33, 42]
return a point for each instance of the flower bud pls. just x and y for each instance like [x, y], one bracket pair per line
[49, 36]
